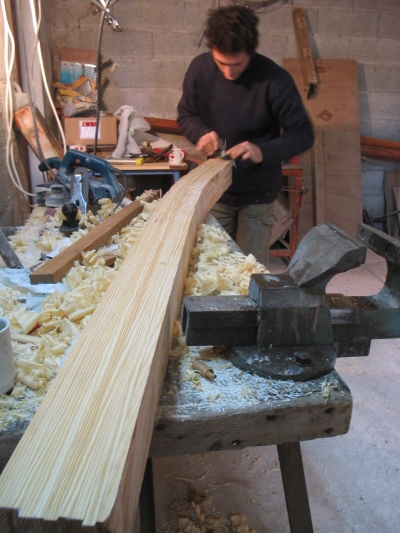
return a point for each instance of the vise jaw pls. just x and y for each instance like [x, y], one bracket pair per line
[288, 327]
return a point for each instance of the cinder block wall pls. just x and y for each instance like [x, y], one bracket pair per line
[158, 42]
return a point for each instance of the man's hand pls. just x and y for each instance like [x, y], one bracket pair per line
[246, 150]
[208, 144]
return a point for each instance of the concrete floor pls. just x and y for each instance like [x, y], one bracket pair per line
[353, 480]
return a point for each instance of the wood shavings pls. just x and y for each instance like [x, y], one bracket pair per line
[203, 370]
[27, 321]
[197, 514]
[328, 386]
[63, 316]
[214, 270]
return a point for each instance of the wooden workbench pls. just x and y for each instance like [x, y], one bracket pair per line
[183, 426]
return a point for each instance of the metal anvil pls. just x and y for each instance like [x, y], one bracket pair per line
[288, 327]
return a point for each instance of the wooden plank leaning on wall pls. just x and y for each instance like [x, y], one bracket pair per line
[83, 456]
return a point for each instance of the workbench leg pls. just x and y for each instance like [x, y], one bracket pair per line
[294, 485]
[146, 501]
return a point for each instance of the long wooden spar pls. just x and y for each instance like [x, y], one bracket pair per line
[82, 457]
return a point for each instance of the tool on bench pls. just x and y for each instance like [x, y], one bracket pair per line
[155, 155]
[82, 179]
[288, 327]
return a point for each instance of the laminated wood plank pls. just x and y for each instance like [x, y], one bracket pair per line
[83, 456]
[335, 111]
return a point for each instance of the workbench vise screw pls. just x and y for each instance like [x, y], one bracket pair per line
[288, 327]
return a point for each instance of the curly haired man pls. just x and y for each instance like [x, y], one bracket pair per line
[243, 98]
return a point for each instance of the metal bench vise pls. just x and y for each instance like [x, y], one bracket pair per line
[288, 327]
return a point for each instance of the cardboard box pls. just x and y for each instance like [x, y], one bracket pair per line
[81, 130]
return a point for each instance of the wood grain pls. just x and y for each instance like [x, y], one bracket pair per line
[183, 428]
[50, 146]
[83, 455]
[304, 47]
[335, 110]
[55, 269]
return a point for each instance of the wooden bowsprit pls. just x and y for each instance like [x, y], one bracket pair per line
[81, 461]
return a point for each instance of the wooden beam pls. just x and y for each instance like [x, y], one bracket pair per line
[50, 146]
[83, 456]
[304, 47]
[55, 269]
[164, 125]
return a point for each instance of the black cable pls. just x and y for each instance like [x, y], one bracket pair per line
[98, 81]
[117, 171]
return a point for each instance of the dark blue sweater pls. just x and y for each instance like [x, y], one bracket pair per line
[262, 106]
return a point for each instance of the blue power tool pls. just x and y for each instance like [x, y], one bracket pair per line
[99, 172]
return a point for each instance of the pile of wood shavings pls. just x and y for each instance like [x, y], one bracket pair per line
[197, 514]
[213, 269]
[42, 339]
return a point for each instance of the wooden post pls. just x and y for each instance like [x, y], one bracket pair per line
[83, 456]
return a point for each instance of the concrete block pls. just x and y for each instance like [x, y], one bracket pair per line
[273, 46]
[386, 106]
[175, 44]
[152, 14]
[195, 15]
[328, 47]
[137, 44]
[277, 21]
[322, 3]
[366, 78]
[343, 23]
[380, 129]
[151, 102]
[373, 192]
[71, 16]
[146, 74]
[379, 5]
[389, 25]
[114, 45]
[375, 51]
[387, 79]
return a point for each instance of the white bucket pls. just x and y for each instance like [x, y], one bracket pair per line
[7, 367]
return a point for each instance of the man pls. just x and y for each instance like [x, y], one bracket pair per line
[235, 95]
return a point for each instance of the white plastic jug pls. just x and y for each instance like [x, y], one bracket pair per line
[7, 367]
